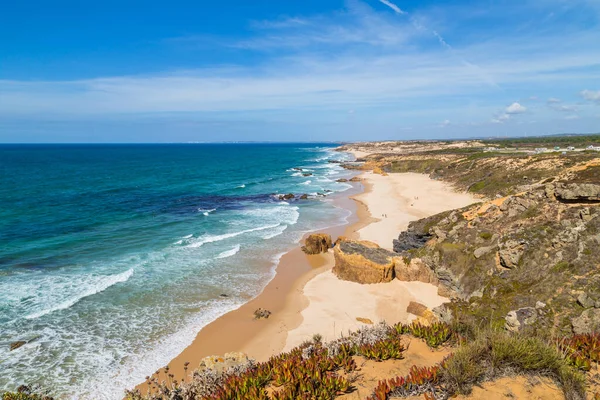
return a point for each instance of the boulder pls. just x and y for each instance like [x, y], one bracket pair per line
[288, 196]
[363, 262]
[260, 313]
[417, 309]
[586, 301]
[307, 174]
[482, 251]
[516, 320]
[587, 322]
[304, 197]
[510, 253]
[342, 180]
[414, 270]
[355, 179]
[317, 243]
[577, 192]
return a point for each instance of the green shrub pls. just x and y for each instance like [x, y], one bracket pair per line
[495, 353]
[485, 235]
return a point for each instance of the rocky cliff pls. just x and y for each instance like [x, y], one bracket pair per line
[528, 256]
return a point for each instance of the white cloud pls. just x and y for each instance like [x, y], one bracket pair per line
[591, 95]
[553, 100]
[393, 6]
[515, 108]
[445, 123]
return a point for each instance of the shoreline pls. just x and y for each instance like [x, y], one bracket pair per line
[305, 297]
[283, 296]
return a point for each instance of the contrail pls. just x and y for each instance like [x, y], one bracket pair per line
[476, 68]
[393, 6]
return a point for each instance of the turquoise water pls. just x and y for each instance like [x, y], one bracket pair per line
[112, 257]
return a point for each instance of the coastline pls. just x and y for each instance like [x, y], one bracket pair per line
[306, 298]
[238, 331]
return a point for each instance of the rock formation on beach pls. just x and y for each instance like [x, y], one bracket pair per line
[317, 243]
[363, 262]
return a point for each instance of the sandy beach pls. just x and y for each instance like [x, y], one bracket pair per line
[305, 297]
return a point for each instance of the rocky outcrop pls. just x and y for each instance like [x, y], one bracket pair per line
[517, 320]
[341, 180]
[363, 262]
[576, 192]
[288, 196]
[510, 253]
[355, 179]
[317, 243]
[587, 322]
[410, 240]
[414, 270]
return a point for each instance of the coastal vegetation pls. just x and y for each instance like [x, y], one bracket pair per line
[317, 370]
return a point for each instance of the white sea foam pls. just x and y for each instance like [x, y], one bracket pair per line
[109, 386]
[297, 174]
[229, 253]
[241, 186]
[307, 182]
[276, 232]
[206, 212]
[217, 238]
[99, 284]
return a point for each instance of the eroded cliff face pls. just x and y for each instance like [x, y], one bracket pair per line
[533, 254]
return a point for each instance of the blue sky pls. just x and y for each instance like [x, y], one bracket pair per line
[283, 70]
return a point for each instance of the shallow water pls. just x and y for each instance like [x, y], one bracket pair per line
[112, 257]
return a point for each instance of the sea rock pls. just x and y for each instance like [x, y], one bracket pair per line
[355, 179]
[587, 322]
[288, 196]
[17, 344]
[414, 270]
[511, 252]
[577, 192]
[307, 174]
[516, 320]
[317, 243]
[342, 180]
[363, 262]
[221, 364]
[304, 197]
[410, 240]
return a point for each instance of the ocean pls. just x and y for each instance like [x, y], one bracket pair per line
[112, 257]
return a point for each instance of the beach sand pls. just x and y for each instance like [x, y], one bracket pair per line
[306, 298]
[334, 305]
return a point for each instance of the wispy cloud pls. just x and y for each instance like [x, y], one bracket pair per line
[392, 6]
